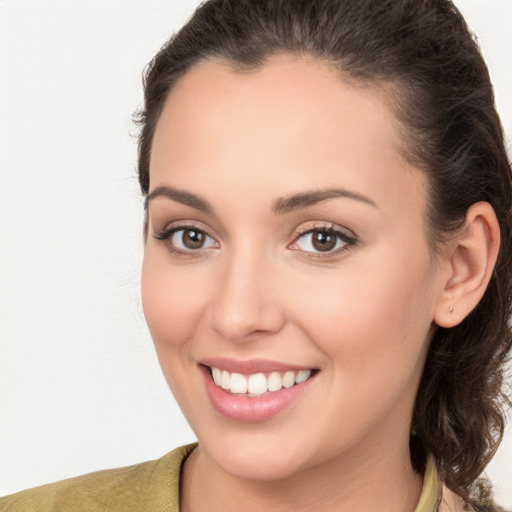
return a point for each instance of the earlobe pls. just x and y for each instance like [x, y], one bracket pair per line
[470, 261]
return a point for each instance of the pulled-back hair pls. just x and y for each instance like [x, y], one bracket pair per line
[422, 55]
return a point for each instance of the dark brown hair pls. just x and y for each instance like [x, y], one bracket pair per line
[422, 53]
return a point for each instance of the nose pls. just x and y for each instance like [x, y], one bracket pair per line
[246, 300]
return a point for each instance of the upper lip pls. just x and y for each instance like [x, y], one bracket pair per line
[251, 366]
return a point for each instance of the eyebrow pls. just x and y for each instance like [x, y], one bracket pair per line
[180, 196]
[305, 199]
[280, 206]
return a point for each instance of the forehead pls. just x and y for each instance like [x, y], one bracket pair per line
[293, 118]
[286, 92]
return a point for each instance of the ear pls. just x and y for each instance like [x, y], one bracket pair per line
[470, 258]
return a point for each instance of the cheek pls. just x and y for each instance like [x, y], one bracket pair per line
[170, 301]
[372, 317]
[172, 308]
[373, 324]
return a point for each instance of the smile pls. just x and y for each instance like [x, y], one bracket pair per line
[253, 391]
[257, 384]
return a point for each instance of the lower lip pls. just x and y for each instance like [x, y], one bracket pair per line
[252, 409]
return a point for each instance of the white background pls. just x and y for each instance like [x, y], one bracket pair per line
[80, 386]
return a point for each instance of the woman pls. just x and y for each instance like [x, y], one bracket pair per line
[326, 274]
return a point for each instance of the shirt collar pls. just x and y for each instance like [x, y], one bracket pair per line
[431, 492]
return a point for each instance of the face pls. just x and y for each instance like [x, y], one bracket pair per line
[287, 259]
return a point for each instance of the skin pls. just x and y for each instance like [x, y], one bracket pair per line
[362, 315]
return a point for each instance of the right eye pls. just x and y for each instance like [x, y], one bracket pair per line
[186, 239]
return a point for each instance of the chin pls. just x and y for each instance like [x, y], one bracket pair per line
[256, 458]
[262, 468]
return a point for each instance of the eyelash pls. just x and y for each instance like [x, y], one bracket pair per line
[166, 236]
[347, 240]
[340, 235]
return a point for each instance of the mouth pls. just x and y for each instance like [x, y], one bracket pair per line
[258, 384]
[255, 390]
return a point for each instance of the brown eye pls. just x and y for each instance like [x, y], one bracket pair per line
[323, 240]
[186, 240]
[192, 238]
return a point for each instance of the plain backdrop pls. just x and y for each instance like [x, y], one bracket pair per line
[80, 386]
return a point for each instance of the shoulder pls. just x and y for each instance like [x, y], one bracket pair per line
[151, 485]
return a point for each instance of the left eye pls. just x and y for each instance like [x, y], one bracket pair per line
[190, 239]
[321, 240]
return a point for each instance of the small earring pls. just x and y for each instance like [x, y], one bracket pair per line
[451, 309]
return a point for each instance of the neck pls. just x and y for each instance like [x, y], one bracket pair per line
[380, 479]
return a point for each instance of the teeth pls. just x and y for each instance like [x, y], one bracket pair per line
[274, 383]
[238, 383]
[217, 376]
[257, 384]
[225, 380]
[289, 379]
[302, 376]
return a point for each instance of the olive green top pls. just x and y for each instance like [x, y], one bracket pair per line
[151, 486]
